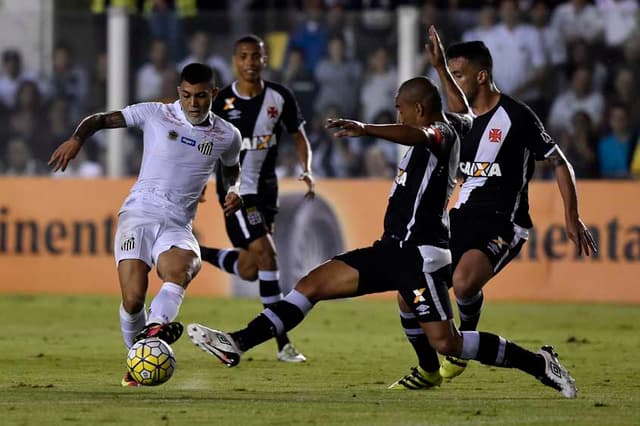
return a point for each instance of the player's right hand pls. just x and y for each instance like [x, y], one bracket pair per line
[348, 128]
[66, 152]
[232, 202]
[435, 49]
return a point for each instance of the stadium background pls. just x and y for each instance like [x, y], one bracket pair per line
[55, 232]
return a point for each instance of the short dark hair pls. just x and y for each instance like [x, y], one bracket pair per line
[475, 52]
[248, 38]
[424, 91]
[195, 73]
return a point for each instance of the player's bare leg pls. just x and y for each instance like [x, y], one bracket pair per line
[495, 350]
[331, 280]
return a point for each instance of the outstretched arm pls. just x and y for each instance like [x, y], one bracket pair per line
[303, 150]
[576, 229]
[68, 150]
[456, 101]
[402, 134]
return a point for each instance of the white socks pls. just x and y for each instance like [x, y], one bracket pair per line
[165, 306]
[131, 324]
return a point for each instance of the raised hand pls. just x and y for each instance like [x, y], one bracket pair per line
[66, 152]
[346, 128]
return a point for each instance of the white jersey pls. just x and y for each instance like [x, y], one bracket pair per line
[178, 158]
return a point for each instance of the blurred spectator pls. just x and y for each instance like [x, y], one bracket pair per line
[25, 120]
[166, 25]
[579, 97]
[312, 35]
[379, 87]
[388, 150]
[149, 77]
[12, 76]
[58, 128]
[339, 80]
[168, 86]
[288, 164]
[620, 20]
[375, 163]
[296, 76]
[98, 85]
[69, 80]
[582, 54]
[580, 146]
[331, 156]
[577, 19]
[19, 160]
[522, 61]
[615, 149]
[200, 51]
[486, 19]
[340, 24]
[626, 90]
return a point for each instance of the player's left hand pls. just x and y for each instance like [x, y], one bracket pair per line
[435, 49]
[311, 185]
[232, 202]
[581, 236]
[348, 128]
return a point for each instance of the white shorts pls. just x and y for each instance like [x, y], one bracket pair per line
[145, 237]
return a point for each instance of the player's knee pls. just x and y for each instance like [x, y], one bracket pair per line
[463, 284]
[181, 271]
[311, 288]
[247, 271]
[133, 302]
[445, 346]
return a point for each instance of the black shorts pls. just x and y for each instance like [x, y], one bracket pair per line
[421, 275]
[254, 220]
[496, 236]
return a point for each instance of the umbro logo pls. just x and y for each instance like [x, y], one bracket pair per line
[234, 114]
[222, 339]
[555, 369]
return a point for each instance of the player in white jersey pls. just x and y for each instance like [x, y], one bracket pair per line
[182, 144]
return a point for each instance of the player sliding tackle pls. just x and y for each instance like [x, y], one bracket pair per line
[412, 256]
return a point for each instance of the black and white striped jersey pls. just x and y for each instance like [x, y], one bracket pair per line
[497, 160]
[260, 120]
[417, 211]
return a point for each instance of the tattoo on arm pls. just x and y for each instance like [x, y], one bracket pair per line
[95, 122]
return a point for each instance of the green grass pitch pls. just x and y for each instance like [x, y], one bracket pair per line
[62, 358]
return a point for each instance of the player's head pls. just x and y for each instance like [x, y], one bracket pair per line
[249, 57]
[196, 91]
[471, 66]
[418, 101]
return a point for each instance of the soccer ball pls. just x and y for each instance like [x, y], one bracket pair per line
[151, 361]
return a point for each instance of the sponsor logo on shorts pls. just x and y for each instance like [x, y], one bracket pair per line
[423, 308]
[253, 216]
[419, 297]
[128, 244]
[205, 148]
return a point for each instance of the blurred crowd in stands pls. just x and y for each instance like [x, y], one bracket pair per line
[576, 63]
